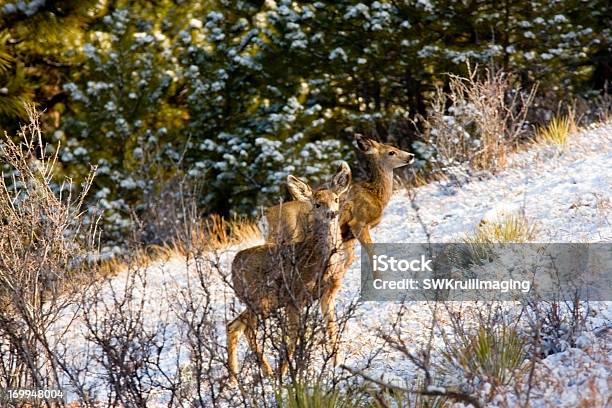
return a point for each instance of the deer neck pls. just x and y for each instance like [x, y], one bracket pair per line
[381, 181]
[325, 237]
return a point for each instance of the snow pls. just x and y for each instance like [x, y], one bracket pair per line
[338, 53]
[565, 191]
[549, 184]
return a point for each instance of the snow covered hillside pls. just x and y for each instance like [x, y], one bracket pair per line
[565, 192]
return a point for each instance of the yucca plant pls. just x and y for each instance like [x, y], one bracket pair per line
[512, 228]
[301, 395]
[556, 132]
[496, 354]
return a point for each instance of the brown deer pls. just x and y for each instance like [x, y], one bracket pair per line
[291, 275]
[361, 209]
[362, 206]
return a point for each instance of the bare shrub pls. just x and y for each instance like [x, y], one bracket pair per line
[172, 218]
[603, 107]
[203, 376]
[557, 323]
[427, 388]
[583, 110]
[483, 352]
[128, 347]
[477, 121]
[45, 250]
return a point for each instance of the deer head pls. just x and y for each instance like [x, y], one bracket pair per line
[386, 156]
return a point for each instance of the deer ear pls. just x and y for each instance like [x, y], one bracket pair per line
[364, 144]
[298, 189]
[342, 179]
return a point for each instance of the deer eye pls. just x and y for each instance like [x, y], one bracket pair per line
[317, 205]
[336, 199]
[392, 153]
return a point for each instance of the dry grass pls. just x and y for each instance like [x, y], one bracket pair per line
[214, 233]
[512, 228]
[46, 250]
[210, 234]
[557, 131]
[137, 259]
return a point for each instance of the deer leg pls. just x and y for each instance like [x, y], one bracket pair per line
[251, 333]
[235, 329]
[328, 309]
[348, 248]
[293, 320]
[362, 233]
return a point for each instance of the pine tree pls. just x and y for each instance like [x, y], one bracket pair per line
[34, 38]
[123, 113]
[251, 125]
[234, 95]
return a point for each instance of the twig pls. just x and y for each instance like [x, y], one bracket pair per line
[437, 392]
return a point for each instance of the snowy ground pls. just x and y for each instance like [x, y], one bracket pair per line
[566, 192]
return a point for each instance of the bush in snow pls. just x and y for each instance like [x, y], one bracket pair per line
[477, 121]
[46, 254]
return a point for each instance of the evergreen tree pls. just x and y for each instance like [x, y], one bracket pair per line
[234, 95]
[123, 113]
[250, 127]
[34, 38]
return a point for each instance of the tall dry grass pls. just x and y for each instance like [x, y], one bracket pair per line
[214, 233]
[557, 131]
[193, 236]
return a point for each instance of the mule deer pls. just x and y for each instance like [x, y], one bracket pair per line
[272, 276]
[362, 206]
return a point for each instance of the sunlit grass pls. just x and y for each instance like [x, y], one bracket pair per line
[198, 235]
[557, 131]
[511, 229]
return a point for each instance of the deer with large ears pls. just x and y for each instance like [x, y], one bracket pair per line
[291, 275]
[366, 200]
[362, 205]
